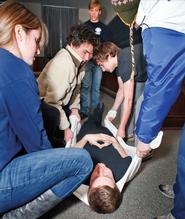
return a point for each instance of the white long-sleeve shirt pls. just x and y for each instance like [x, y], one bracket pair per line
[162, 13]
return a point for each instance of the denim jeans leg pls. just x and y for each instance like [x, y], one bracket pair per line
[86, 89]
[96, 82]
[77, 169]
[178, 210]
[28, 176]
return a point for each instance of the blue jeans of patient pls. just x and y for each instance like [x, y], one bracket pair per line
[90, 90]
[26, 177]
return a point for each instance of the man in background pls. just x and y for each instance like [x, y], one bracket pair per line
[90, 90]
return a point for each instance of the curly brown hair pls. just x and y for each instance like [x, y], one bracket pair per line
[82, 34]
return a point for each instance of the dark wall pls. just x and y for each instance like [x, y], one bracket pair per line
[121, 33]
[70, 3]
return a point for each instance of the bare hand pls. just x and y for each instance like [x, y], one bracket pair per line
[68, 135]
[142, 149]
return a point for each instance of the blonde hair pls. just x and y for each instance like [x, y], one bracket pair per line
[94, 3]
[13, 13]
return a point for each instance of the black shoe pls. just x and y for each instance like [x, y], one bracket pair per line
[167, 190]
[83, 116]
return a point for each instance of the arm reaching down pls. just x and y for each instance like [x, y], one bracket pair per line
[128, 97]
[118, 100]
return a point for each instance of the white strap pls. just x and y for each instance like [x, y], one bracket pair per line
[75, 128]
[111, 113]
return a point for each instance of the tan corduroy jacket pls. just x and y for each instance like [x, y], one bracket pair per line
[60, 81]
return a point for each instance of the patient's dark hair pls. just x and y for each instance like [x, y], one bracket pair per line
[82, 34]
[104, 199]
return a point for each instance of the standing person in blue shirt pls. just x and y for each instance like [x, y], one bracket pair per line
[35, 181]
[90, 90]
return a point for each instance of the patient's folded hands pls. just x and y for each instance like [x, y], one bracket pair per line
[99, 140]
[103, 140]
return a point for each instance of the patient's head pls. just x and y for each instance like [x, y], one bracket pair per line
[103, 195]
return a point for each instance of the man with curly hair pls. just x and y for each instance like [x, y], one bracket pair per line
[60, 82]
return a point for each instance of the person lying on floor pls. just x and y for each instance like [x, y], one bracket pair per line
[110, 163]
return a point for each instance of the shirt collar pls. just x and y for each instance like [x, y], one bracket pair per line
[76, 58]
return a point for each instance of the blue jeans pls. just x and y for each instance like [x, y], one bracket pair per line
[90, 90]
[28, 176]
[179, 202]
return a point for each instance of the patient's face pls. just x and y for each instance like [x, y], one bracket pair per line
[102, 176]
